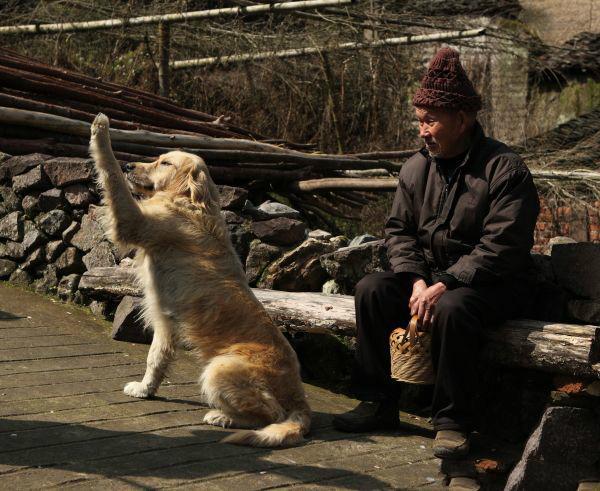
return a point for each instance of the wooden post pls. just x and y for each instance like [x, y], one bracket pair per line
[163, 59]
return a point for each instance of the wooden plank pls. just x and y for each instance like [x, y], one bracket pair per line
[113, 395]
[27, 381]
[29, 332]
[184, 395]
[20, 343]
[20, 323]
[218, 467]
[54, 390]
[87, 442]
[63, 352]
[67, 434]
[59, 364]
[129, 408]
[73, 427]
[555, 347]
[179, 466]
[130, 454]
[353, 460]
[402, 476]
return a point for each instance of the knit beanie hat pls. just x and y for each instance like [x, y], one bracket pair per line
[446, 85]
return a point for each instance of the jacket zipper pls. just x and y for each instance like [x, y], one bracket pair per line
[442, 201]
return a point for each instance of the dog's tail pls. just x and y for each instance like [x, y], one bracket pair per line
[284, 434]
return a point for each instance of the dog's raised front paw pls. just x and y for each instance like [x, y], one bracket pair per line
[137, 389]
[217, 418]
[100, 124]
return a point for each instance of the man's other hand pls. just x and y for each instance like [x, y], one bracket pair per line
[419, 286]
[423, 300]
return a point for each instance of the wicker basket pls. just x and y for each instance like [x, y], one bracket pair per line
[410, 352]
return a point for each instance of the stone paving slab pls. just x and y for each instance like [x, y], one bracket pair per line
[65, 422]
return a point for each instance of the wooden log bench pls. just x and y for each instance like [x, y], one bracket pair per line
[570, 349]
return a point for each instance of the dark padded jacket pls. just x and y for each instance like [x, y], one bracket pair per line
[477, 228]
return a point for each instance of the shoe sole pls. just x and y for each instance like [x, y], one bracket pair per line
[451, 454]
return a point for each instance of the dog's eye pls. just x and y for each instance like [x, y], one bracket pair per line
[165, 162]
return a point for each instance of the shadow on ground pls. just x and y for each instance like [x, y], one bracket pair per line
[125, 455]
[7, 316]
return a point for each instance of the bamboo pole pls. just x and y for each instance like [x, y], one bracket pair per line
[384, 154]
[95, 25]
[384, 184]
[310, 50]
[390, 184]
[566, 175]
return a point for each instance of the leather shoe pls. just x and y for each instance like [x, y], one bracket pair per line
[369, 416]
[450, 444]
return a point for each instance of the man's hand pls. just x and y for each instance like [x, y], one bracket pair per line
[419, 286]
[423, 300]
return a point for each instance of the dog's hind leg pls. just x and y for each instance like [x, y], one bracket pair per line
[162, 352]
[126, 219]
[217, 417]
[231, 386]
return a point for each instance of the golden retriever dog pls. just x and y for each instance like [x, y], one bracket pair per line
[196, 293]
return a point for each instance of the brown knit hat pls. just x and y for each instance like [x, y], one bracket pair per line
[446, 85]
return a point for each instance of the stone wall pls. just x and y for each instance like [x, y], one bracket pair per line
[550, 106]
[51, 232]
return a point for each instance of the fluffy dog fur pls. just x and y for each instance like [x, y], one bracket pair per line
[195, 292]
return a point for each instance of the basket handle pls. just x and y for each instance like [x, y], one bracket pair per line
[412, 329]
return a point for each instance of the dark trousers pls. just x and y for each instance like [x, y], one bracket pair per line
[461, 316]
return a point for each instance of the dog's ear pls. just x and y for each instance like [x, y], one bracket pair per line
[201, 187]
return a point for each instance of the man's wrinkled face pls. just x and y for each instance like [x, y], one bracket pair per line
[442, 131]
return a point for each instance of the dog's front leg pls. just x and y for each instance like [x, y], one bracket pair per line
[162, 352]
[126, 219]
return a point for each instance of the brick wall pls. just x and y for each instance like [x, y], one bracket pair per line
[561, 218]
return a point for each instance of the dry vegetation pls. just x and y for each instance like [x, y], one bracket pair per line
[342, 101]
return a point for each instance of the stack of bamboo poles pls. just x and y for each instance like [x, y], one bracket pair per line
[49, 110]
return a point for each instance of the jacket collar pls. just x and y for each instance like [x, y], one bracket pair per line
[473, 155]
[475, 147]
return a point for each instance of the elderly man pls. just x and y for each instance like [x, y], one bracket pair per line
[458, 240]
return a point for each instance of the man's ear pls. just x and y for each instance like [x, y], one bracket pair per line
[462, 120]
[466, 120]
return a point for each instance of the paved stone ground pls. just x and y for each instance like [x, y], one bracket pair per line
[64, 421]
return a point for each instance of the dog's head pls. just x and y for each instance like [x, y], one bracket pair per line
[178, 173]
